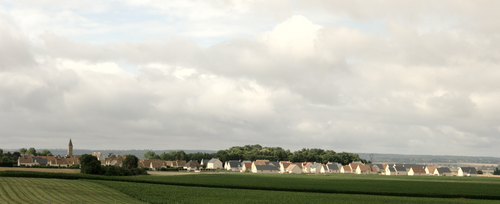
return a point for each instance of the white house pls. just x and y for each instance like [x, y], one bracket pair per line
[429, 170]
[363, 169]
[214, 163]
[316, 168]
[390, 171]
[345, 169]
[443, 171]
[400, 171]
[332, 168]
[467, 171]
[293, 169]
[233, 165]
[417, 171]
[264, 169]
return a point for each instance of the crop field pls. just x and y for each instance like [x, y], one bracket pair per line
[159, 193]
[40, 190]
[223, 187]
[416, 186]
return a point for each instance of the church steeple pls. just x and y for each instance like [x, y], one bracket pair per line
[70, 149]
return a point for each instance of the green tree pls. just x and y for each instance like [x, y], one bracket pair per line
[5, 159]
[46, 152]
[180, 155]
[479, 172]
[31, 151]
[130, 161]
[23, 150]
[1, 152]
[149, 155]
[496, 172]
[90, 164]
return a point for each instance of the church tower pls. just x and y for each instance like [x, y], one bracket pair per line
[70, 149]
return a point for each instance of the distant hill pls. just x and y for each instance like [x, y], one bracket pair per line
[414, 159]
[138, 153]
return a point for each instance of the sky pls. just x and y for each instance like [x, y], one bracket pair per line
[378, 76]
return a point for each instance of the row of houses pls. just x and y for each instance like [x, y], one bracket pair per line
[30, 160]
[265, 166]
[259, 166]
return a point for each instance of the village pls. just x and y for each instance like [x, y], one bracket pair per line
[257, 166]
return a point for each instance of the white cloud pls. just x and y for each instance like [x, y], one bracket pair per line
[349, 76]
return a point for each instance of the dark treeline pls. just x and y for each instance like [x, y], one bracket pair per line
[256, 152]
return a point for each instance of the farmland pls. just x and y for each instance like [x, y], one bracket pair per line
[40, 190]
[229, 188]
[158, 193]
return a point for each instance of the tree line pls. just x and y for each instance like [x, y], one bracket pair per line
[257, 152]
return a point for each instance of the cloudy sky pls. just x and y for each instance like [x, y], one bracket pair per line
[403, 77]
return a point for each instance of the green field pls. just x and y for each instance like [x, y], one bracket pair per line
[273, 188]
[158, 193]
[41, 190]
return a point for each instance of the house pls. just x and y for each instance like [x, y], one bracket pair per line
[284, 166]
[39, 160]
[25, 160]
[192, 165]
[293, 169]
[158, 164]
[233, 165]
[176, 163]
[409, 166]
[264, 169]
[316, 168]
[389, 171]
[354, 166]
[119, 162]
[467, 171]
[400, 170]
[363, 169]
[306, 167]
[44, 159]
[99, 156]
[377, 168]
[429, 170]
[246, 167]
[417, 171]
[144, 163]
[65, 161]
[276, 164]
[443, 171]
[332, 168]
[214, 163]
[204, 162]
[345, 169]
[242, 163]
[260, 162]
[324, 169]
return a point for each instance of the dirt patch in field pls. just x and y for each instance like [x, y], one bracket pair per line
[70, 171]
